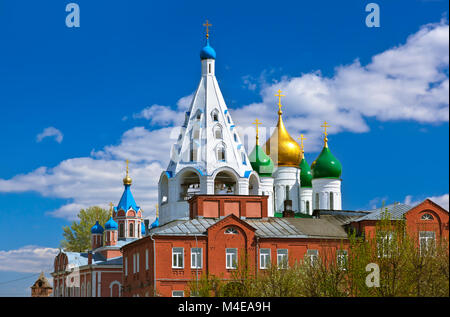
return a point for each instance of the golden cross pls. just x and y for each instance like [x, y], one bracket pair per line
[301, 138]
[325, 126]
[279, 95]
[127, 166]
[257, 122]
[157, 211]
[207, 28]
[111, 208]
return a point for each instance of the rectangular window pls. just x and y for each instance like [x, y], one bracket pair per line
[134, 263]
[426, 241]
[126, 266]
[282, 258]
[342, 258]
[137, 262]
[146, 259]
[177, 258]
[384, 243]
[312, 256]
[264, 258]
[177, 293]
[231, 258]
[196, 258]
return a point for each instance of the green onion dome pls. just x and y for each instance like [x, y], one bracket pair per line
[305, 174]
[326, 165]
[261, 162]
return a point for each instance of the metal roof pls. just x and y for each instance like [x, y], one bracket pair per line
[396, 212]
[264, 227]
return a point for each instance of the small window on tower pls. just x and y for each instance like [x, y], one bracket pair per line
[131, 233]
[218, 132]
[209, 68]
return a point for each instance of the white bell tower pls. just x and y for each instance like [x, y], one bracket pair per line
[208, 157]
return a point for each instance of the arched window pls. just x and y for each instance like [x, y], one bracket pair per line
[331, 201]
[231, 230]
[287, 192]
[121, 230]
[215, 115]
[198, 116]
[307, 206]
[317, 201]
[426, 217]
[235, 137]
[218, 132]
[131, 233]
[244, 161]
[221, 153]
[192, 153]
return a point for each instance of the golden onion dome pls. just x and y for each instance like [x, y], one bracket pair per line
[281, 147]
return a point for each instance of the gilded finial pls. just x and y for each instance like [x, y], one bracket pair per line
[207, 25]
[127, 179]
[325, 126]
[157, 211]
[111, 209]
[257, 122]
[279, 95]
[301, 138]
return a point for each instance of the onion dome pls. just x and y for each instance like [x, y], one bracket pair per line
[260, 161]
[326, 164]
[207, 52]
[281, 147]
[156, 222]
[111, 225]
[305, 174]
[97, 228]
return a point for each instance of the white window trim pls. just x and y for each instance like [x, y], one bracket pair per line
[267, 256]
[179, 292]
[182, 258]
[281, 255]
[231, 254]
[198, 258]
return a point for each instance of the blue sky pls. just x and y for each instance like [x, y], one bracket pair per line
[104, 92]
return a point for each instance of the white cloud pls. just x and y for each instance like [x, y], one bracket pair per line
[28, 259]
[406, 82]
[50, 132]
[442, 200]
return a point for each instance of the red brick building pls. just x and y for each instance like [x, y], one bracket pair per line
[222, 229]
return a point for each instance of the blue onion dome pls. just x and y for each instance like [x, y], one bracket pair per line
[142, 228]
[97, 228]
[155, 223]
[111, 225]
[207, 52]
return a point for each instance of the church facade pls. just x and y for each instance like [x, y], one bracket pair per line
[218, 204]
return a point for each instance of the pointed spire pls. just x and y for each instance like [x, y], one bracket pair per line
[127, 180]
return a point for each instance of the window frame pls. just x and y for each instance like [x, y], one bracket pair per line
[282, 258]
[198, 258]
[230, 255]
[312, 255]
[264, 258]
[177, 256]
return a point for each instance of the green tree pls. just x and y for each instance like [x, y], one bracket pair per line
[77, 237]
